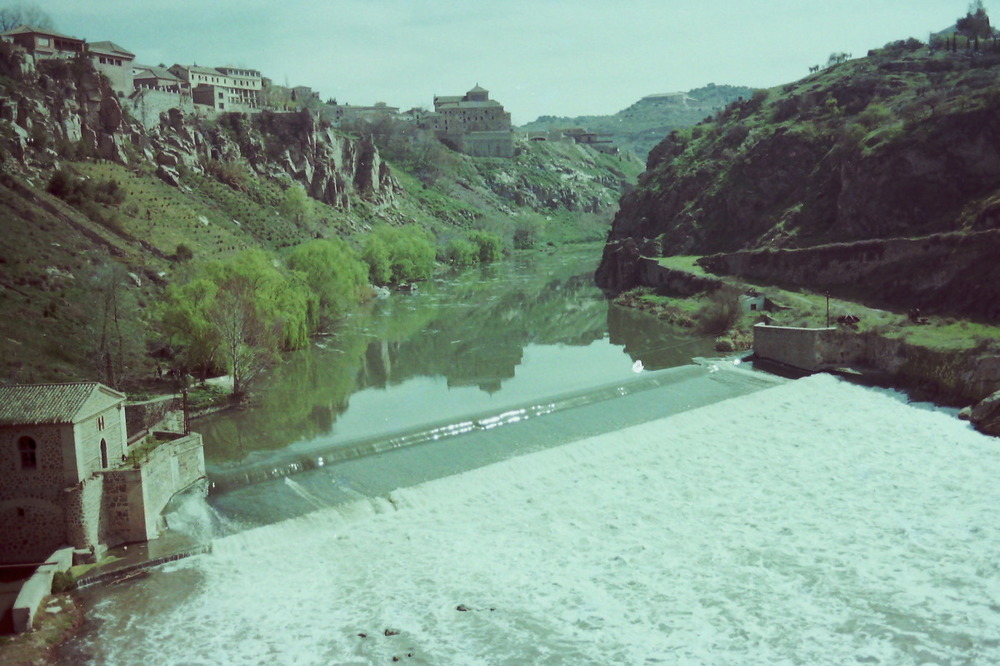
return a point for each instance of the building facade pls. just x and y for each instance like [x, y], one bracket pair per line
[115, 63]
[66, 478]
[43, 44]
[472, 123]
[222, 88]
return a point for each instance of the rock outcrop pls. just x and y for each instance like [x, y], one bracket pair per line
[899, 144]
[66, 108]
[985, 416]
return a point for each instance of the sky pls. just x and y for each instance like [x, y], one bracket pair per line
[537, 57]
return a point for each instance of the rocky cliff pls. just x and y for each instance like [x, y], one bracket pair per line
[902, 143]
[65, 109]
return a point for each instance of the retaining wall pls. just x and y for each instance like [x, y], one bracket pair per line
[801, 348]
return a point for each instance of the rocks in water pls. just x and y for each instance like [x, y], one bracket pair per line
[985, 416]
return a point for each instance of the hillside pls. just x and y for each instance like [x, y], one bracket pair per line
[644, 124]
[902, 143]
[99, 214]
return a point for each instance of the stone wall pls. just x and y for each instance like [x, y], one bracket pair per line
[487, 144]
[958, 377]
[147, 104]
[800, 348]
[143, 417]
[948, 273]
[668, 281]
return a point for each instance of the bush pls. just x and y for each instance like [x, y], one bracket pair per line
[460, 252]
[63, 581]
[489, 247]
[526, 234]
[720, 313]
[398, 254]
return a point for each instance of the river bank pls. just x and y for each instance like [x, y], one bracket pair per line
[947, 360]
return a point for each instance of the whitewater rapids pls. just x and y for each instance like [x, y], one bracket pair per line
[815, 522]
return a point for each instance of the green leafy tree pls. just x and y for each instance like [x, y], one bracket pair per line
[398, 254]
[237, 313]
[460, 252]
[333, 271]
[489, 247]
[296, 204]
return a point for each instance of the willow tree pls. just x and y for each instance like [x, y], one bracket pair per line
[333, 271]
[237, 314]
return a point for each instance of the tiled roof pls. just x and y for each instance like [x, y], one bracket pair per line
[28, 30]
[36, 404]
[109, 48]
[147, 71]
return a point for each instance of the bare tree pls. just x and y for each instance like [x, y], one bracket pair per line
[23, 13]
[114, 327]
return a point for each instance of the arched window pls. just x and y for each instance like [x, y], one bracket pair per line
[104, 454]
[27, 447]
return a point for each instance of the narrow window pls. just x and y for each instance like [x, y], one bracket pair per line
[100, 423]
[27, 447]
[104, 454]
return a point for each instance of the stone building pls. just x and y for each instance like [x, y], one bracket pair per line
[66, 478]
[149, 77]
[338, 113]
[43, 44]
[472, 123]
[222, 88]
[115, 63]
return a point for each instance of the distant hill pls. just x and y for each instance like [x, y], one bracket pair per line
[644, 124]
[899, 144]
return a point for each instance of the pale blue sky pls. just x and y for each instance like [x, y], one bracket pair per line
[558, 57]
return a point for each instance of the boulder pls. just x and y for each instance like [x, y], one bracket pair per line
[986, 415]
[168, 176]
[111, 115]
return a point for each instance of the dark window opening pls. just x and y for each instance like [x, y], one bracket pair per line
[28, 450]
[104, 454]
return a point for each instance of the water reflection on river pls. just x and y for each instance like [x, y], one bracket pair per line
[471, 342]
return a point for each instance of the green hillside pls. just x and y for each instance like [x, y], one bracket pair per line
[644, 124]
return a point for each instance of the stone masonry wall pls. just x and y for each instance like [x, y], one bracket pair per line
[797, 347]
[147, 105]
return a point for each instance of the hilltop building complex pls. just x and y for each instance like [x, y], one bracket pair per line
[472, 123]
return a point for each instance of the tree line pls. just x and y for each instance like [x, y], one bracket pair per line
[237, 314]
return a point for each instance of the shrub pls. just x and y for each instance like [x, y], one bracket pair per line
[720, 313]
[489, 247]
[460, 252]
[398, 254]
[63, 581]
[526, 233]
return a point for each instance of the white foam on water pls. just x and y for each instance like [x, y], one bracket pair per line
[816, 522]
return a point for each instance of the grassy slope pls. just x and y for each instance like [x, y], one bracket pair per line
[49, 250]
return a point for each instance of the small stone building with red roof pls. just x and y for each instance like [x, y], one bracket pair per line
[65, 476]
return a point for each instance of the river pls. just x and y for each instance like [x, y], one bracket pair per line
[502, 469]
[471, 369]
